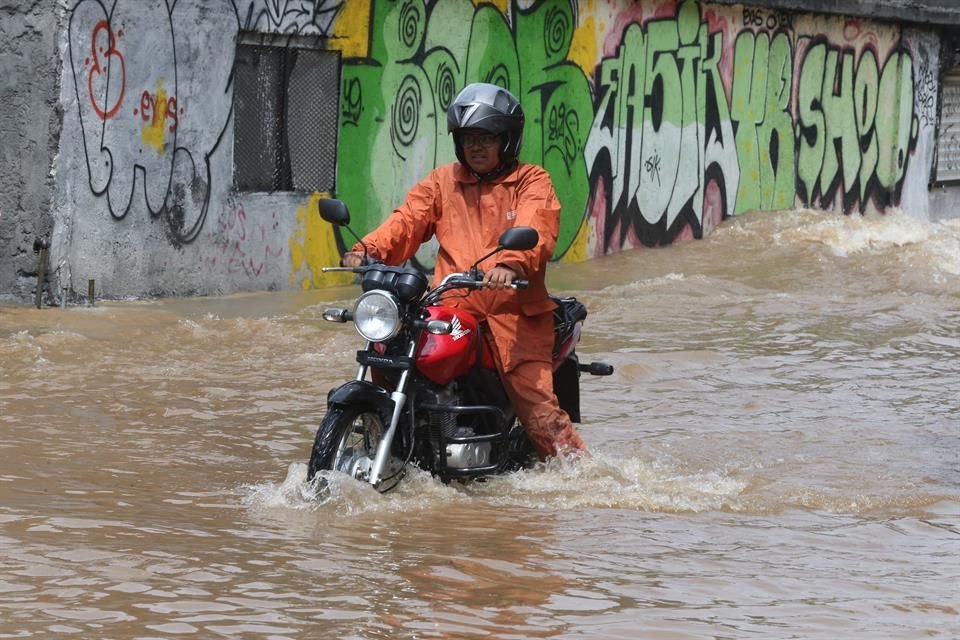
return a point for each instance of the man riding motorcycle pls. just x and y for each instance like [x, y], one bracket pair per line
[467, 205]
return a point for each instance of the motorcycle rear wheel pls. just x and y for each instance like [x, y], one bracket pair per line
[347, 441]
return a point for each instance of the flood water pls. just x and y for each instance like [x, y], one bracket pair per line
[776, 456]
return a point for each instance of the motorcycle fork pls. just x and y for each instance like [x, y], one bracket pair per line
[399, 397]
[362, 368]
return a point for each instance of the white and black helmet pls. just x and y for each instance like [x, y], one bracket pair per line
[490, 108]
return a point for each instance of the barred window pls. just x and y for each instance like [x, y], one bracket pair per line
[946, 160]
[286, 98]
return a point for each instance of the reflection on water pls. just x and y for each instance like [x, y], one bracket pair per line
[776, 455]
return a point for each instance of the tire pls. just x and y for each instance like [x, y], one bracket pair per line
[521, 454]
[347, 441]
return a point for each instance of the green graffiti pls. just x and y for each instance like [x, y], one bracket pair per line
[840, 126]
[673, 136]
[661, 126]
[812, 122]
[865, 112]
[762, 79]
[855, 126]
[897, 126]
[558, 107]
[393, 102]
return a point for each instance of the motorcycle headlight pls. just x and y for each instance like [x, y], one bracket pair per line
[377, 316]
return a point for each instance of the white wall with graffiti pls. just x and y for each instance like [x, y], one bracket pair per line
[657, 119]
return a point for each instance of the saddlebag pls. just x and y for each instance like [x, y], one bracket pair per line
[566, 385]
[566, 377]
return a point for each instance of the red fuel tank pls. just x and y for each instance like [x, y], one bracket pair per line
[445, 357]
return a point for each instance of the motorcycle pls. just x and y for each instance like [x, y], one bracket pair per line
[434, 398]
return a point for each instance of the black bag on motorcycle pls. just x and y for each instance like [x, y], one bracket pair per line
[566, 377]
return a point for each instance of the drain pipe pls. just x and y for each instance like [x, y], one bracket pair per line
[40, 246]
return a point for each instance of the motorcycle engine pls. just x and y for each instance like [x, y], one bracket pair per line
[459, 456]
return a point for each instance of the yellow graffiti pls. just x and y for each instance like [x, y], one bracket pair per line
[314, 246]
[583, 48]
[579, 247]
[153, 134]
[502, 5]
[351, 33]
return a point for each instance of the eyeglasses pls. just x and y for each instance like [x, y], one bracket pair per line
[479, 139]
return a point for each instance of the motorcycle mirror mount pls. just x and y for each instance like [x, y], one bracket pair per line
[514, 239]
[335, 212]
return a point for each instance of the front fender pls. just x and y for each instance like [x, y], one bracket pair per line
[358, 392]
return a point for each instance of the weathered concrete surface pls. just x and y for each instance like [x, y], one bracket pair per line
[939, 12]
[144, 200]
[29, 134]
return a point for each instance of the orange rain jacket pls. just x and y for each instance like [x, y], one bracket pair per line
[467, 216]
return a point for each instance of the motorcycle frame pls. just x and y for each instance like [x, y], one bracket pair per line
[361, 390]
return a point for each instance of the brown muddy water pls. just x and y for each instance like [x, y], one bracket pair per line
[776, 456]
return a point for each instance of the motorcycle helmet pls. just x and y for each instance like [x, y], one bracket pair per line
[490, 108]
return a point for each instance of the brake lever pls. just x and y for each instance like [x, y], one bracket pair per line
[365, 265]
[515, 284]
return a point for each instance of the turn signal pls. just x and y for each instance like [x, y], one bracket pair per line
[337, 315]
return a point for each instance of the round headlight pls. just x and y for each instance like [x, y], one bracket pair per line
[377, 316]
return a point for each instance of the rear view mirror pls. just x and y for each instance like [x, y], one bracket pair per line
[334, 211]
[519, 238]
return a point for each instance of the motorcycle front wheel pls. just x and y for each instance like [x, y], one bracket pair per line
[347, 441]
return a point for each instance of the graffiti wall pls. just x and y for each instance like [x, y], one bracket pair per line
[656, 119]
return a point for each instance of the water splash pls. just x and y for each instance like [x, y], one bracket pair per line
[611, 481]
[600, 481]
[338, 494]
[853, 234]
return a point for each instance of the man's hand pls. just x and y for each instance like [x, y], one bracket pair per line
[498, 278]
[352, 259]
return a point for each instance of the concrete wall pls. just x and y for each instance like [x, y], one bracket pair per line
[657, 120]
[917, 12]
[29, 135]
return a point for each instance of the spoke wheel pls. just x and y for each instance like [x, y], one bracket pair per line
[347, 442]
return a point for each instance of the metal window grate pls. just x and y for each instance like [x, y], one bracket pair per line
[286, 101]
[313, 99]
[948, 142]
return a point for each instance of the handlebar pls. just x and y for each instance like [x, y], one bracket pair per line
[464, 280]
[468, 280]
[475, 281]
[363, 268]
[472, 280]
[365, 263]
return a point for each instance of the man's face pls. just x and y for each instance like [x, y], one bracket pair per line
[481, 149]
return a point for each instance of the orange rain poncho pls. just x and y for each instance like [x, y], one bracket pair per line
[467, 216]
